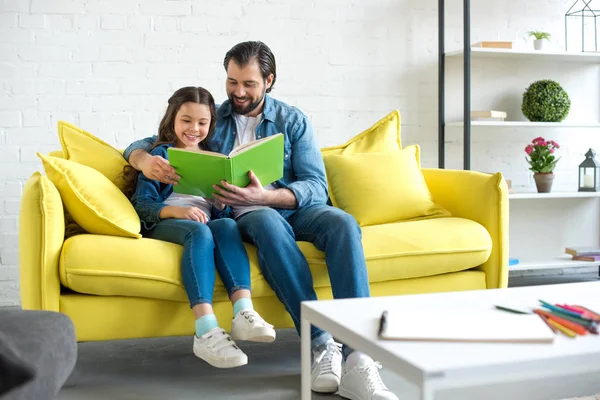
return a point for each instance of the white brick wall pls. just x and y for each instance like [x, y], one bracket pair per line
[110, 65]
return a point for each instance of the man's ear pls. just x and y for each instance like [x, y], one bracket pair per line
[269, 81]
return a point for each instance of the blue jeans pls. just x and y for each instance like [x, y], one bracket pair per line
[205, 246]
[285, 268]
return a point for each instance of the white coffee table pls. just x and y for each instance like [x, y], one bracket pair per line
[437, 365]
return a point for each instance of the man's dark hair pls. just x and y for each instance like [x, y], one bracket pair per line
[244, 53]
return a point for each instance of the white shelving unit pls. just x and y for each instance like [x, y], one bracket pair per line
[543, 224]
[481, 53]
[552, 195]
[551, 264]
[558, 216]
[526, 124]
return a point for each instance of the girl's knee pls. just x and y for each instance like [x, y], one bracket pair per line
[198, 230]
[223, 223]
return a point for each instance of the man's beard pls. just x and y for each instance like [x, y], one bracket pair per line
[247, 109]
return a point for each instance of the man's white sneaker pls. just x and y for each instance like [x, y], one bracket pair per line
[327, 369]
[216, 348]
[364, 383]
[248, 325]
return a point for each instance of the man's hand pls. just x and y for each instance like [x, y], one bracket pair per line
[157, 168]
[252, 195]
[191, 213]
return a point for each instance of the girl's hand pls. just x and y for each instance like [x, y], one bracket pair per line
[192, 213]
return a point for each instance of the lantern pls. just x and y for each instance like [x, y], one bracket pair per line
[589, 173]
[584, 14]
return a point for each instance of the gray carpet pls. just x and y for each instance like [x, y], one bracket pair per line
[165, 368]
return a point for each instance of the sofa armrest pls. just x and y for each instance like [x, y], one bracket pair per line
[41, 236]
[482, 198]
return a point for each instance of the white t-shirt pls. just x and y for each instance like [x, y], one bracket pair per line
[246, 133]
[187, 200]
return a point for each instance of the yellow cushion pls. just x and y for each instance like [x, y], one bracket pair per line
[377, 188]
[93, 201]
[414, 249]
[383, 136]
[117, 266]
[148, 268]
[84, 148]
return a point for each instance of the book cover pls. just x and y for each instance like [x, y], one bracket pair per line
[489, 115]
[494, 45]
[583, 251]
[200, 170]
[587, 258]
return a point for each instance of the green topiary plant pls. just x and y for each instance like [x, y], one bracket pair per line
[545, 101]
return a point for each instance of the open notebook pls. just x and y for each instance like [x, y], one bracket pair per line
[455, 326]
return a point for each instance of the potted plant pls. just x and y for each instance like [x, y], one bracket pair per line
[542, 162]
[540, 37]
[545, 101]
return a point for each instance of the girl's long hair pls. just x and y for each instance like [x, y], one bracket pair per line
[166, 128]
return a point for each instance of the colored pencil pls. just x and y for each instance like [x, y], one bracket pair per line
[561, 328]
[547, 322]
[573, 326]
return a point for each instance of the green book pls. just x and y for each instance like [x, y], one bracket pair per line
[200, 170]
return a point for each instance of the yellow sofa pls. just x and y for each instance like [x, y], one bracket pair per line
[115, 287]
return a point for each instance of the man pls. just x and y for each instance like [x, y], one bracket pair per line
[294, 208]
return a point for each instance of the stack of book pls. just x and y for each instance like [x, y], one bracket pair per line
[584, 253]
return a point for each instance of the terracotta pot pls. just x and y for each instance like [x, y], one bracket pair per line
[543, 182]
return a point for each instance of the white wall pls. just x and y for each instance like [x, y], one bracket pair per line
[109, 66]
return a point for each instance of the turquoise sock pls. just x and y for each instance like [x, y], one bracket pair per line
[242, 304]
[205, 324]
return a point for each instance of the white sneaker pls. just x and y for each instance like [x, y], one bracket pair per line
[216, 348]
[248, 325]
[364, 383]
[327, 369]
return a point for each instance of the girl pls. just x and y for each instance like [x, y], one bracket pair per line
[208, 237]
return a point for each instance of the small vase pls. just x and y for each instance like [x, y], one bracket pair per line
[538, 44]
[543, 182]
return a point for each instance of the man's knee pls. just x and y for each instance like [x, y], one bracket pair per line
[339, 221]
[223, 225]
[264, 222]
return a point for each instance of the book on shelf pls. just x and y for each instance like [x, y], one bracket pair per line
[200, 170]
[583, 251]
[587, 258]
[488, 115]
[449, 325]
[493, 45]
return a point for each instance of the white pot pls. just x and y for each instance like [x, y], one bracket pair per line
[538, 44]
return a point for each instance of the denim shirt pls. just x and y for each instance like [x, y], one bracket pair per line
[148, 199]
[303, 167]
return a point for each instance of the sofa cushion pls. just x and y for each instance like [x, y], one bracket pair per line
[378, 188]
[383, 136]
[84, 148]
[93, 201]
[109, 265]
[415, 249]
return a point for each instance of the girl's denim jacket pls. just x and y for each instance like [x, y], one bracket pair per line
[150, 195]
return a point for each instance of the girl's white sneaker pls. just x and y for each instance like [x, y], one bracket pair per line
[248, 325]
[218, 349]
